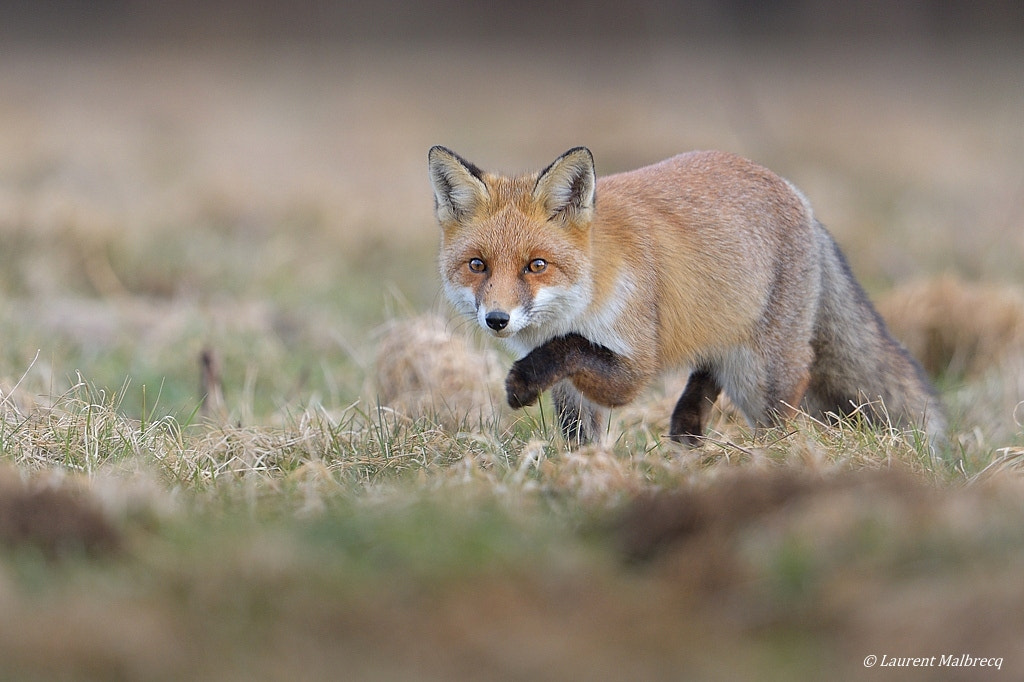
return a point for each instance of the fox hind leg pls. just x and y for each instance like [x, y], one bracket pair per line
[767, 389]
[690, 415]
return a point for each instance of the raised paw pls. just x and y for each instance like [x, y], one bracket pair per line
[519, 390]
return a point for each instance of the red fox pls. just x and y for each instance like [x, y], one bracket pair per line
[704, 261]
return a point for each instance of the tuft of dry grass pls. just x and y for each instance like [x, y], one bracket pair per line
[424, 369]
[957, 328]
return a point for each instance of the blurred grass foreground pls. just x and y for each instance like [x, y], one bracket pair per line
[242, 438]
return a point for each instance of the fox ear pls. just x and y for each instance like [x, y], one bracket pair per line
[566, 187]
[458, 185]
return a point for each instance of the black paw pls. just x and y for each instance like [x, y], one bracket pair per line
[519, 390]
[686, 428]
[690, 440]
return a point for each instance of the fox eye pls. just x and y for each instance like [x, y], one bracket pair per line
[537, 265]
[477, 265]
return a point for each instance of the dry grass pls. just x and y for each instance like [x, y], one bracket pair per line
[800, 556]
[957, 328]
[399, 546]
[424, 369]
[362, 500]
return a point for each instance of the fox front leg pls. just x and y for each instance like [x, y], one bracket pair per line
[581, 420]
[601, 375]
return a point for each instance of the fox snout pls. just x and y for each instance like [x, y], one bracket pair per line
[497, 319]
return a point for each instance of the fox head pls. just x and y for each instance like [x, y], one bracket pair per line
[515, 251]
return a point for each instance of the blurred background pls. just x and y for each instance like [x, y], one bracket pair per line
[588, 21]
[250, 177]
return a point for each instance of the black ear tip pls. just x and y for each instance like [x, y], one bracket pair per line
[439, 149]
[581, 150]
[442, 155]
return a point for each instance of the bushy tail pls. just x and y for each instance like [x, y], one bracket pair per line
[858, 362]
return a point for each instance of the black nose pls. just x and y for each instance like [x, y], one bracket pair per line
[496, 320]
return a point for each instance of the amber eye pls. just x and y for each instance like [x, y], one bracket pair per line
[537, 265]
[477, 265]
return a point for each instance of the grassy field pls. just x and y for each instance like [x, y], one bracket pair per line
[357, 502]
